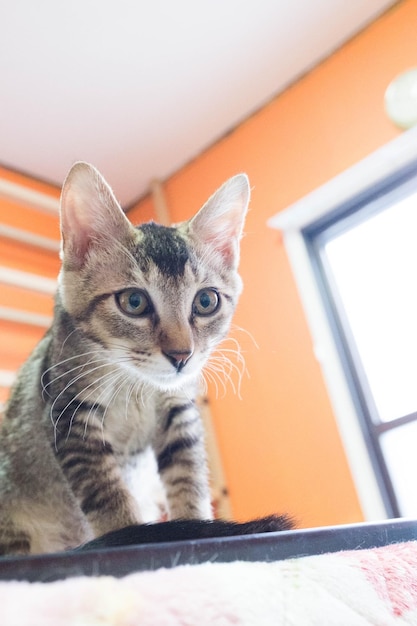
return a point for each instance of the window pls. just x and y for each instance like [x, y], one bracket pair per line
[353, 248]
[365, 259]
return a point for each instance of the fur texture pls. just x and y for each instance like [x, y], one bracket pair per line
[138, 313]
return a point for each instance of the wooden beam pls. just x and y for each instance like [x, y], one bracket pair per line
[160, 203]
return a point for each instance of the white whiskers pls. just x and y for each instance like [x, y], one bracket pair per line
[66, 372]
[234, 328]
[225, 366]
[104, 380]
[94, 385]
[119, 382]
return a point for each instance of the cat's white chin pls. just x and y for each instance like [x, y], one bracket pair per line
[170, 382]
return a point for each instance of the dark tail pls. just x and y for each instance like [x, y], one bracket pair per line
[183, 530]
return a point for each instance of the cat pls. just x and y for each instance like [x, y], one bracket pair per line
[138, 312]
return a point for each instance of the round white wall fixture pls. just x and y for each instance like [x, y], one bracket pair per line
[401, 99]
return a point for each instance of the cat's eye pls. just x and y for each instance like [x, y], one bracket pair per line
[206, 302]
[134, 302]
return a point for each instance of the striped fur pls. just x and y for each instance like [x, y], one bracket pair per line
[138, 313]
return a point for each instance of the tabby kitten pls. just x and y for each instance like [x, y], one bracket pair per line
[138, 312]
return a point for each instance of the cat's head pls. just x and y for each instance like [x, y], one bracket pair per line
[157, 299]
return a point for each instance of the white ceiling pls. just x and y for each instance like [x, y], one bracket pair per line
[140, 88]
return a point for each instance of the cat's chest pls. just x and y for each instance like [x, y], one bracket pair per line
[130, 424]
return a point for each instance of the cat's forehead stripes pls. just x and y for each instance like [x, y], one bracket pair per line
[165, 247]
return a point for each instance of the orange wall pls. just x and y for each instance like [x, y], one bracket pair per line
[19, 215]
[17, 340]
[280, 444]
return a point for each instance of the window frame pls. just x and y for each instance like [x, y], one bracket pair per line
[367, 184]
[316, 235]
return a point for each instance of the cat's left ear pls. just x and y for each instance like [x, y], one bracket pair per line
[90, 215]
[219, 223]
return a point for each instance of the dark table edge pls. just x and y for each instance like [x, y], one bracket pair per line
[263, 547]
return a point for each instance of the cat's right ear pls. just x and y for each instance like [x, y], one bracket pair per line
[219, 222]
[90, 214]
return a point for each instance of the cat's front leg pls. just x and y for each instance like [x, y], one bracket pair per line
[94, 475]
[182, 462]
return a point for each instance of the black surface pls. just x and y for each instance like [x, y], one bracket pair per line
[265, 547]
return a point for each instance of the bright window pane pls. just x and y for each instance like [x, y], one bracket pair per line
[399, 448]
[375, 270]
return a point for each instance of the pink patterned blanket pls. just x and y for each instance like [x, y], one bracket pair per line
[352, 588]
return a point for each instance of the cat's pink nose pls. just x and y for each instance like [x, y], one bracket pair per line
[178, 358]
